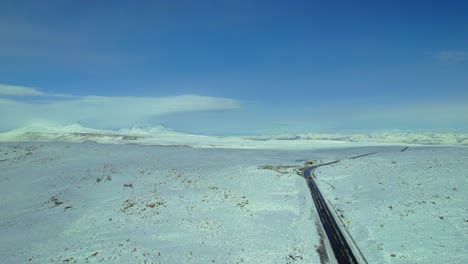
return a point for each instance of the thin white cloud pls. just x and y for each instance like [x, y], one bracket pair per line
[104, 111]
[451, 56]
[13, 90]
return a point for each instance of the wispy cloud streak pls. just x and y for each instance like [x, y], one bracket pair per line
[100, 111]
[13, 90]
[451, 56]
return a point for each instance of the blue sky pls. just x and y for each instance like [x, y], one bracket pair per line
[250, 66]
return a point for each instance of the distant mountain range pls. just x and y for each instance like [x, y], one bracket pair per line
[79, 133]
[378, 137]
[166, 136]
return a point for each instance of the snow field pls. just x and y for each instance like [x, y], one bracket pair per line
[403, 207]
[93, 203]
[98, 203]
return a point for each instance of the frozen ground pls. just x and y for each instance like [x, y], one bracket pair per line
[403, 207]
[112, 203]
[90, 203]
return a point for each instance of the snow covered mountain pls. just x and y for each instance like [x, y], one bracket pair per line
[158, 135]
[67, 133]
[140, 130]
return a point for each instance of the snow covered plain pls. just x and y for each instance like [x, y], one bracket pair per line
[129, 203]
[90, 203]
[403, 207]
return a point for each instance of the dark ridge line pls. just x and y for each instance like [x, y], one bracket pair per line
[360, 156]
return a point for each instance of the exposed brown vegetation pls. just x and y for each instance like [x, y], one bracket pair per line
[321, 250]
[279, 168]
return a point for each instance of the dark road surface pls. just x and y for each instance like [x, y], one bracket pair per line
[341, 249]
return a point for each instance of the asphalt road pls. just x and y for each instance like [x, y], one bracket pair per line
[340, 246]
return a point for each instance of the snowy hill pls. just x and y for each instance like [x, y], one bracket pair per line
[79, 133]
[161, 135]
[157, 130]
[382, 137]
[67, 133]
[49, 128]
[147, 136]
